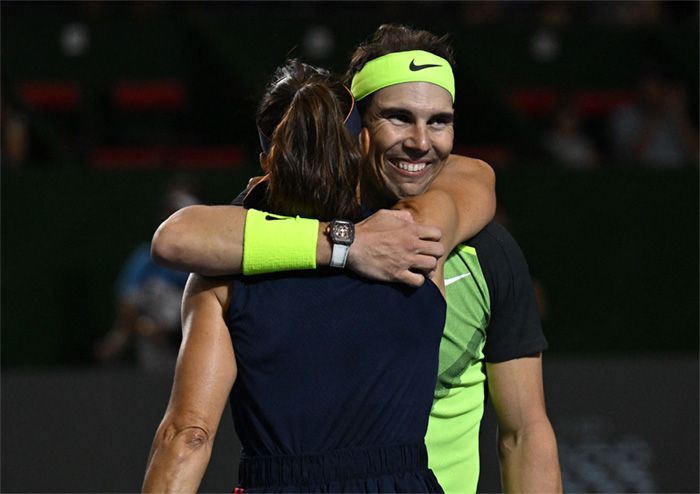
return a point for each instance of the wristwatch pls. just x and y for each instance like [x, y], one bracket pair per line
[342, 234]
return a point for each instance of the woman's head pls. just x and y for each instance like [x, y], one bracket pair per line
[312, 161]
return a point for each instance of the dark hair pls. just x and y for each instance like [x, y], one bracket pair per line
[314, 163]
[390, 38]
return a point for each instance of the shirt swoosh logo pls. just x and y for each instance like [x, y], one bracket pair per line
[271, 218]
[449, 281]
[413, 67]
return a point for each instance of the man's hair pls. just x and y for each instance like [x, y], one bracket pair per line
[314, 164]
[390, 38]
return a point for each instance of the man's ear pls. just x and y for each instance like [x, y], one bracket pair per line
[363, 141]
[262, 158]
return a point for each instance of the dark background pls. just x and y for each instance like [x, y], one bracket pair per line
[104, 103]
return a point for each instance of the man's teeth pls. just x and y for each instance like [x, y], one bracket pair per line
[411, 167]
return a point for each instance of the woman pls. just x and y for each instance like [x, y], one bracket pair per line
[326, 398]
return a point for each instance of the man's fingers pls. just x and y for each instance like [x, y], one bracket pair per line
[400, 214]
[424, 263]
[430, 248]
[411, 279]
[390, 246]
[428, 232]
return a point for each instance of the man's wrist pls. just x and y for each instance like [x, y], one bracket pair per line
[273, 243]
[324, 246]
[342, 234]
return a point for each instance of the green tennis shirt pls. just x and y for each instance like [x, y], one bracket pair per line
[491, 316]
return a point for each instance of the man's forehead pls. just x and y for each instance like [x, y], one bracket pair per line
[411, 96]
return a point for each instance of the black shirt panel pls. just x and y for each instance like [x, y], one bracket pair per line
[514, 329]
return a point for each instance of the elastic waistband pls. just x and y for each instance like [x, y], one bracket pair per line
[331, 466]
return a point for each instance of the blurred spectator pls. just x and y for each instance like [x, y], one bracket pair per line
[481, 12]
[566, 142]
[15, 136]
[656, 130]
[556, 14]
[148, 303]
[634, 14]
[626, 14]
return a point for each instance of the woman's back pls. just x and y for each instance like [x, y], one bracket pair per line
[327, 362]
[331, 376]
[335, 373]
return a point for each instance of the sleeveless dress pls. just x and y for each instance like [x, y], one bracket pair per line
[335, 382]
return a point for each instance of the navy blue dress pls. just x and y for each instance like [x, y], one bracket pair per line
[335, 382]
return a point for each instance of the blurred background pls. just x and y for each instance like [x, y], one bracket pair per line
[115, 114]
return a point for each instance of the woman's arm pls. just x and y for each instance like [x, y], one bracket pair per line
[205, 373]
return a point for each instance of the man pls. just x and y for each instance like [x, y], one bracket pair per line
[491, 313]
[492, 331]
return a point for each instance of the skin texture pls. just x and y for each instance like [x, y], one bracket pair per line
[205, 373]
[209, 239]
[409, 125]
[527, 446]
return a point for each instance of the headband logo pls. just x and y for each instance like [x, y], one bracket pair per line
[414, 68]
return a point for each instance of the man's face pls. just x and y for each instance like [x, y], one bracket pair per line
[411, 133]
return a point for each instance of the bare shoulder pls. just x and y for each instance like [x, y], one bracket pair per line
[467, 163]
[215, 287]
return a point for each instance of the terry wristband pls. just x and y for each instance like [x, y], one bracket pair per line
[274, 243]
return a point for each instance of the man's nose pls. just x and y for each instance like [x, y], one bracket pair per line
[418, 138]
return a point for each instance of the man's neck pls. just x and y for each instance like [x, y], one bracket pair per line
[374, 196]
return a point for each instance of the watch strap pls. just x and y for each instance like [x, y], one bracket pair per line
[339, 256]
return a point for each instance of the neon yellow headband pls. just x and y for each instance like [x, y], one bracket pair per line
[403, 66]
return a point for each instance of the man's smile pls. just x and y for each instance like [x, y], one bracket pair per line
[410, 168]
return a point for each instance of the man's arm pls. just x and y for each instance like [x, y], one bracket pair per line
[526, 443]
[458, 204]
[209, 240]
[201, 239]
[389, 247]
[206, 370]
[460, 201]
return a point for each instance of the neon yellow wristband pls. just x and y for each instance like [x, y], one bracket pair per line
[273, 243]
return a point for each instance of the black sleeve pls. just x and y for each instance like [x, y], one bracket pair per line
[252, 197]
[514, 328]
[238, 201]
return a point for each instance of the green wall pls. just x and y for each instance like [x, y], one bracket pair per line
[615, 250]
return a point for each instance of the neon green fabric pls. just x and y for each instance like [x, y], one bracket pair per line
[400, 67]
[458, 403]
[273, 243]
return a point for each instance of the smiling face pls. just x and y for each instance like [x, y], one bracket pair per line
[411, 133]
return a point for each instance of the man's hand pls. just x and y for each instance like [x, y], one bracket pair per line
[390, 246]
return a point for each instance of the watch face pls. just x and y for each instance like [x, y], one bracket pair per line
[342, 232]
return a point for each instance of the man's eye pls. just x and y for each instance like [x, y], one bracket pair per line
[440, 123]
[398, 118]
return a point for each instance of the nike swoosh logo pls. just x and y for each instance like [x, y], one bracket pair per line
[413, 67]
[449, 281]
[269, 218]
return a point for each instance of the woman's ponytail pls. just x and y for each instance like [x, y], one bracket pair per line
[313, 163]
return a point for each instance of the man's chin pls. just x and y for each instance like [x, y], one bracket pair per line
[406, 191]
[404, 188]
